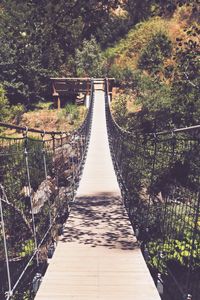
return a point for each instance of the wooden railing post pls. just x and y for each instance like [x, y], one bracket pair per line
[56, 96]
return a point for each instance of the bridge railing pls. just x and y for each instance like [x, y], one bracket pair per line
[159, 176]
[38, 179]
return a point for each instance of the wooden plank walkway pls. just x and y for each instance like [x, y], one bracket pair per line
[98, 257]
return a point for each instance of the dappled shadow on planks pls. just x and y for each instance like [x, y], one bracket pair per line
[100, 220]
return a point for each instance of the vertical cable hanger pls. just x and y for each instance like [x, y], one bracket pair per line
[45, 172]
[29, 191]
[3, 197]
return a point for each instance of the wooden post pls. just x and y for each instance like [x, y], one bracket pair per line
[110, 90]
[56, 95]
[87, 98]
[58, 102]
[88, 88]
[108, 87]
[54, 90]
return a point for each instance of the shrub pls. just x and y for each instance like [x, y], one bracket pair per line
[153, 56]
[4, 105]
[123, 75]
[17, 112]
[119, 107]
[88, 59]
[71, 112]
[128, 48]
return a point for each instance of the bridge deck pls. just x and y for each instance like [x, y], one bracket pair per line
[98, 257]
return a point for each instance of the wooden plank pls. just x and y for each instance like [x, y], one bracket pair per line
[71, 86]
[98, 256]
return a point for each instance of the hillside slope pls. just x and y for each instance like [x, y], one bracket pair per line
[126, 53]
[156, 67]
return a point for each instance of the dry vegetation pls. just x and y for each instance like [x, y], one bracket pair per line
[48, 119]
[127, 51]
[56, 120]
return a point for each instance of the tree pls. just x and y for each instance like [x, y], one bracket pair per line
[22, 72]
[154, 96]
[157, 50]
[39, 37]
[185, 87]
[88, 59]
[138, 10]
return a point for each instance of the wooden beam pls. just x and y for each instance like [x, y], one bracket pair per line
[79, 78]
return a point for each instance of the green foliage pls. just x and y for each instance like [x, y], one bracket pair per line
[120, 109]
[123, 75]
[151, 95]
[38, 38]
[152, 57]
[22, 72]
[27, 248]
[72, 112]
[138, 10]
[154, 97]
[17, 112]
[136, 40]
[17, 215]
[170, 97]
[174, 250]
[8, 112]
[88, 59]
[112, 30]
[4, 105]
[185, 87]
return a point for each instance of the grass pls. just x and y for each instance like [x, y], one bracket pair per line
[53, 119]
[44, 118]
[127, 51]
[43, 105]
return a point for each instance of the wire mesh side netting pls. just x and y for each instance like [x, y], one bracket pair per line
[159, 179]
[38, 180]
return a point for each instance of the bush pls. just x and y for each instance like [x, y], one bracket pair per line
[154, 100]
[119, 107]
[71, 109]
[72, 113]
[153, 56]
[88, 59]
[185, 86]
[17, 112]
[4, 105]
[8, 112]
[127, 49]
[123, 75]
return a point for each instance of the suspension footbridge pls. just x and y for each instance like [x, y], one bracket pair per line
[98, 256]
[69, 203]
